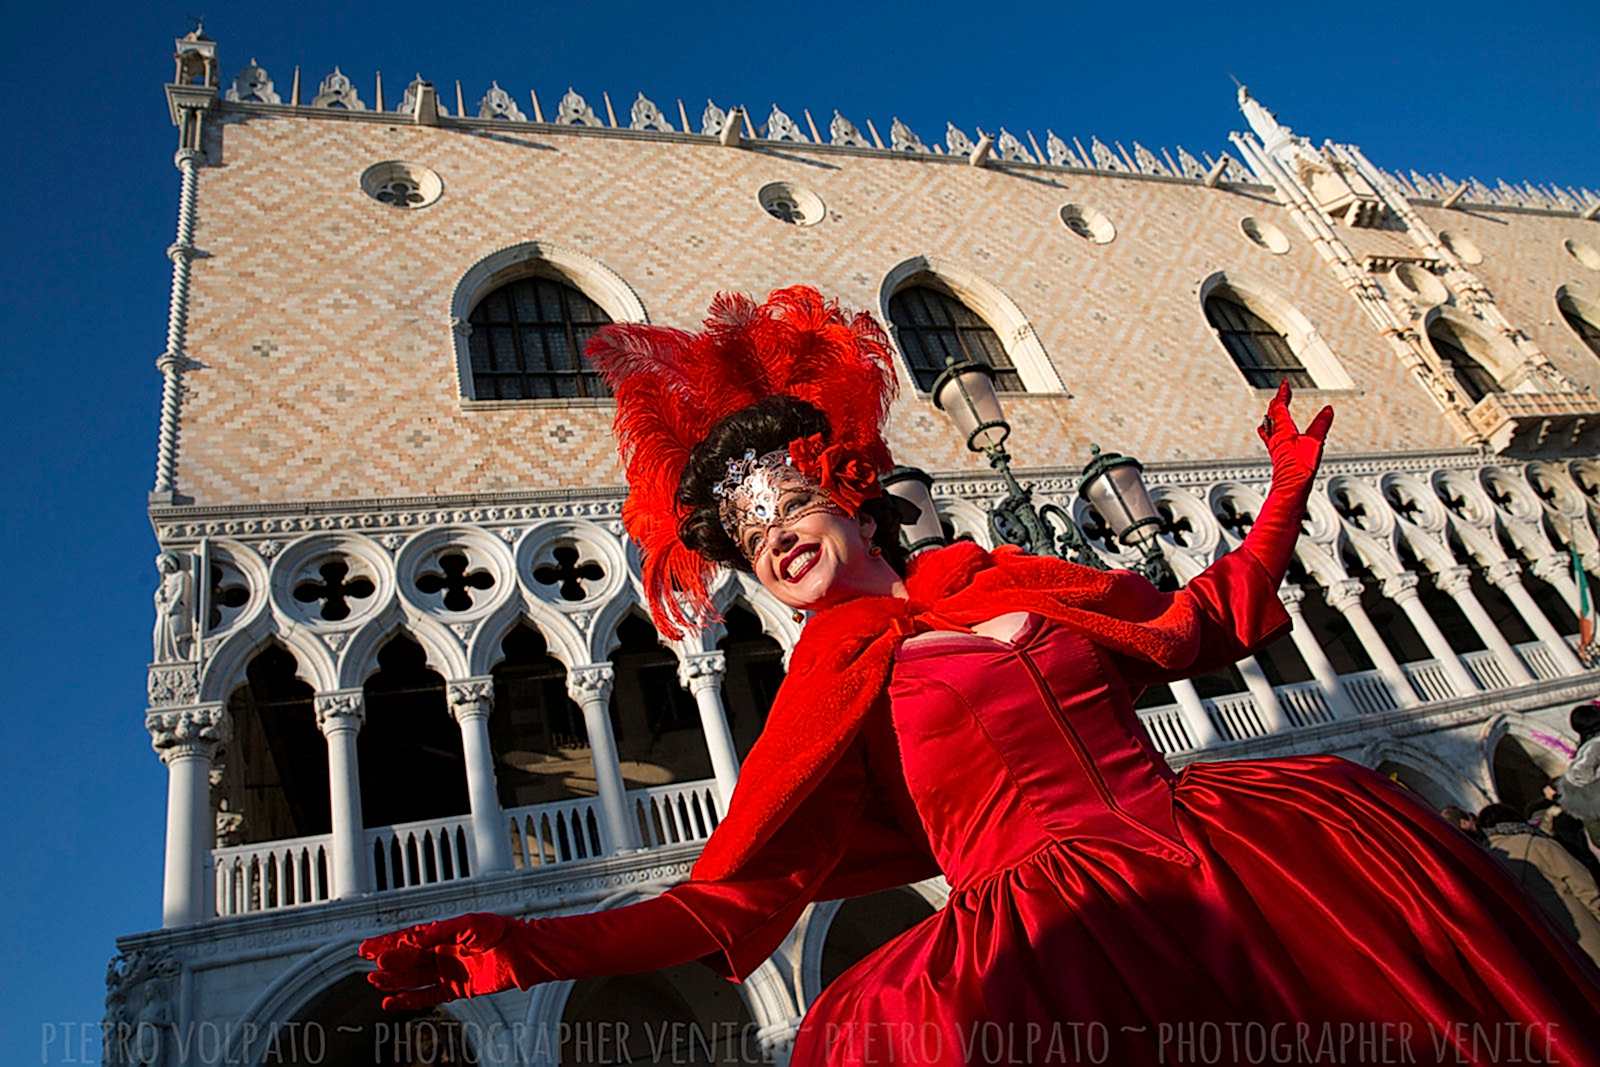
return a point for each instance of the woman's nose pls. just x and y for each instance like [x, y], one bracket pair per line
[783, 539]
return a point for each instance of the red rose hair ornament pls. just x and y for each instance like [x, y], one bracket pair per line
[672, 386]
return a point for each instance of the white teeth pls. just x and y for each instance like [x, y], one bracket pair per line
[797, 559]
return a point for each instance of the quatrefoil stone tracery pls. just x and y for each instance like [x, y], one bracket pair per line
[334, 589]
[568, 572]
[453, 579]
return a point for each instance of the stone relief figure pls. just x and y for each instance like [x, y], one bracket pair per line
[138, 1035]
[174, 630]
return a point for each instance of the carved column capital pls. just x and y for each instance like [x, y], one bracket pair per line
[702, 670]
[1503, 572]
[471, 697]
[1291, 596]
[591, 683]
[191, 731]
[1550, 567]
[1453, 580]
[341, 709]
[1401, 587]
[1344, 595]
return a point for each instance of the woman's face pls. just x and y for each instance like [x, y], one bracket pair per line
[819, 557]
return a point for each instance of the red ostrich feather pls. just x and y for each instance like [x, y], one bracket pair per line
[671, 387]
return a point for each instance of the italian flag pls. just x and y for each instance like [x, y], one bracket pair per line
[1585, 608]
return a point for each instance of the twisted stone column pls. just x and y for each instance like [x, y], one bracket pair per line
[1506, 576]
[590, 686]
[171, 361]
[1317, 661]
[471, 702]
[1345, 598]
[701, 673]
[1402, 589]
[187, 739]
[340, 714]
[1457, 582]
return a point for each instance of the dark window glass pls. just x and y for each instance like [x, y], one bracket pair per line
[1581, 326]
[527, 342]
[1475, 379]
[1262, 353]
[932, 324]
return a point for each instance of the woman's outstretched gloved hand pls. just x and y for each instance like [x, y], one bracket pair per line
[469, 956]
[1295, 457]
[481, 953]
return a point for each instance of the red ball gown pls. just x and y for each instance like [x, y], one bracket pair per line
[1106, 909]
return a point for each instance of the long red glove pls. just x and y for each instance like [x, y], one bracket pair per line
[1295, 457]
[482, 952]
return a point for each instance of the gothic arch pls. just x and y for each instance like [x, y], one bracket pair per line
[1497, 355]
[360, 659]
[225, 668]
[1459, 787]
[307, 977]
[584, 272]
[1015, 331]
[562, 639]
[1272, 304]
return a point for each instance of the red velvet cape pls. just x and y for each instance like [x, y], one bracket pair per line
[840, 668]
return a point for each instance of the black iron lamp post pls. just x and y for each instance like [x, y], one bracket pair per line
[1111, 484]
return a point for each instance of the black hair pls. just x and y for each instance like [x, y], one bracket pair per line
[765, 426]
[1496, 813]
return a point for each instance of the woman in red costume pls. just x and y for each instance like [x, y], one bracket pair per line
[971, 714]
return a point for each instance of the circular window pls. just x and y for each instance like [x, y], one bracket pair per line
[1088, 223]
[1588, 255]
[790, 203]
[1420, 284]
[1264, 235]
[1460, 246]
[402, 185]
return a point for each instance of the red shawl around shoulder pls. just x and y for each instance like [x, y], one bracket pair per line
[840, 668]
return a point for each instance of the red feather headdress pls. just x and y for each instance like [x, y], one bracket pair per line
[672, 387]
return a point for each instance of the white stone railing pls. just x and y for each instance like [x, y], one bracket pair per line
[556, 832]
[1486, 669]
[419, 853]
[1235, 717]
[1429, 679]
[1537, 658]
[1368, 692]
[1304, 703]
[675, 813]
[272, 875]
[1167, 729]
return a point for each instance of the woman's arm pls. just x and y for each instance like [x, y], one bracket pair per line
[731, 924]
[1236, 598]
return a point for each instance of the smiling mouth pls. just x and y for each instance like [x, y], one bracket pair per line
[800, 561]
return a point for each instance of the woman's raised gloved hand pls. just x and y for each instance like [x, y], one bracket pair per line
[1295, 457]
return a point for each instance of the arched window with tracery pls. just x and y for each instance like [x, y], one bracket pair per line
[932, 324]
[1476, 380]
[1588, 331]
[1261, 351]
[527, 338]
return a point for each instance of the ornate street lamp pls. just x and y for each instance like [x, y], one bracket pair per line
[915, 487]
[1111, 483]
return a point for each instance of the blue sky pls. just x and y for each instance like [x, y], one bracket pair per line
[1468, 90]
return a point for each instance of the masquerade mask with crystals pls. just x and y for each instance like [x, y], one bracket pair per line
[761, 494]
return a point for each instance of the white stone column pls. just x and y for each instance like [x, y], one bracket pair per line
[590, 686]
[1506, 576]
[1457, 582]
[1557, 571]
[1333, 694]
[187, 739]
[340, 714]
[1345, 598]
[471, 702]
[1402, 589]
[1263, 696]
[701, 673]
[1193, 712]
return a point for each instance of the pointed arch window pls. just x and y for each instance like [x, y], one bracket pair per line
[932, 323]
[1261, 352]
[527, 338]
[1588, 331]
[1476, 380]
